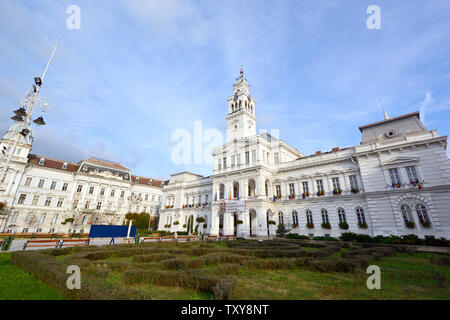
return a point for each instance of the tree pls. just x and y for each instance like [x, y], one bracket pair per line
[140, 220]
[281, 230]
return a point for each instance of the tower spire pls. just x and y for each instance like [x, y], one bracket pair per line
[242, 70]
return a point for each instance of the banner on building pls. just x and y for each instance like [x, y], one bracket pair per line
[236, 206]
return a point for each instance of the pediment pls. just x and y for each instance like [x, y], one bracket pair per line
[400, 161]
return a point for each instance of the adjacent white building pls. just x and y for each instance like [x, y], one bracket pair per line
[38, 193]
[397, 181]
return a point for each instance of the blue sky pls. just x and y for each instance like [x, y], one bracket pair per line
[138, 70]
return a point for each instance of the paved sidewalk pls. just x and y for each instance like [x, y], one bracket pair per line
[17, 244]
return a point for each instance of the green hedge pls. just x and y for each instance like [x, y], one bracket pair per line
[410, 239]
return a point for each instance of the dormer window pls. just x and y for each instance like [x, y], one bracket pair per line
[85, 168]
[137, 179]
[41, 161]
[150, 181]
[64, 166]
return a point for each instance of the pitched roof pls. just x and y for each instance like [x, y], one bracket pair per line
[146, 181]
[52, 163]
[413, 114]
[107, 164]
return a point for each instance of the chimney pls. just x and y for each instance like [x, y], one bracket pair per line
[335, 149]
[318, 153]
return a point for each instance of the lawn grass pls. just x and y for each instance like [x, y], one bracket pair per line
[16, 284]
[251, 270]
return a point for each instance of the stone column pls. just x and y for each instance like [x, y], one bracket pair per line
[214, 230]
[244, 228]
[228, 224]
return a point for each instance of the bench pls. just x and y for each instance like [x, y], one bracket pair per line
[231, 237]
[167, 239]
[150, 239]
[74, 242]
[183, 238]
[41, 244]
[211, 238]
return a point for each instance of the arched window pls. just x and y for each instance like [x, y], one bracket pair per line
[84, 220]
[280, 218]
[14, 217]
[406, 212]
[29, 217]
[221, 191]
[232, 107]
[42, 218]
[294, 218]
[324, 216]
[309, 217]
[341, 215]
[422, 213]
[360, 215]
[55, 219]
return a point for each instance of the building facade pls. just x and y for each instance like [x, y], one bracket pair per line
[44, 195]
[397, 181]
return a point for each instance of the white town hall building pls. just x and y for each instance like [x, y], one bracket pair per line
[397, 181]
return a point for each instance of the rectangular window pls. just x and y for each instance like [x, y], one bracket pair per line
[291, 189]
[305, 187]
[395, 176]
[99, 205]
[412, 174]
[278, 190]
[87, 205]
[75, 204]
[224, 162]
[79, 188]
[35, 200]
[65, 185]
[102, 191]
[146, 196]
[60, 202]
[113, 192]
[28, 182]
[22, 199]
[41, 183]
[233, 159]
[219, 164]
[353, 182]
[319, 185]
[336, 184]
[122, 194]
[48, 201]
[53, 185]
[91, 190]
[247, 157]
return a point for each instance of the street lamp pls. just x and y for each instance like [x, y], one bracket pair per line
[23, 115]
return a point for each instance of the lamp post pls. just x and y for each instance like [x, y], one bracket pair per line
[23, 114]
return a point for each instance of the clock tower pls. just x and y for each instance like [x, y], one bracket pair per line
[241, 111]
